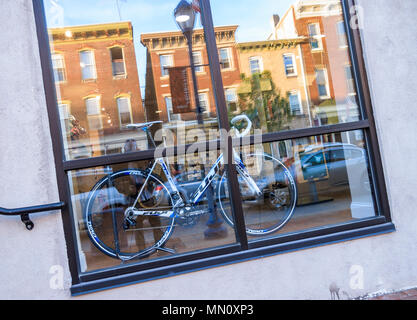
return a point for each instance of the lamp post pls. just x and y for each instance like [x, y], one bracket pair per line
[185, 17]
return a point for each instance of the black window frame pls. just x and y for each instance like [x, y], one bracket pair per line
[242, 250]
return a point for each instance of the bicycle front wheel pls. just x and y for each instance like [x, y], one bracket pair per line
[105, 214]
[270, 211]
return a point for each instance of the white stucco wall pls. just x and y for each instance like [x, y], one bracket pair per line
[28, 178]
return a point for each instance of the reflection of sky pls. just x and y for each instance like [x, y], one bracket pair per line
[252, 16]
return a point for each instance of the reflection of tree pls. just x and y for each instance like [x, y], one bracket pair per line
[261, 101]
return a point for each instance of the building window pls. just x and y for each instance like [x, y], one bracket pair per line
[198, 61]
[232, 100]
[322, 83]
[126, 222]
[225, 58]
[290, 66]
[350, 81]
[95, 121]
[166, 62]
[65, 117]
[88, 65]
[341, 34]
[295, 102]
[118, 62]
[315, 36]
[204, 102]
[125, 111]
[256, 65]
[170, 110]
[58, 64]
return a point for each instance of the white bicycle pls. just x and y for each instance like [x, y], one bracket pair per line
[132, 213]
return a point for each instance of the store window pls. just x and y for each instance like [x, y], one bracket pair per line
[146, 171]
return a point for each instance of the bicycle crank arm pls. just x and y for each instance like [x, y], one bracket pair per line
[142, 213]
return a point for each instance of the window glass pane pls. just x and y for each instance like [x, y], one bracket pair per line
[225, 59]
[113, 50]
[59, 67]
[289, 65]
[125, 112]
[103, 199]
[166, 63]
[198, 61]
[118, 64]
[298, 44]
[255, 65]
[341, 33]
[303, 184]
[294, 99]
[87, 63]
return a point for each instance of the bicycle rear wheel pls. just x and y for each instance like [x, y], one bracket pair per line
[105, 215]
[269, 212]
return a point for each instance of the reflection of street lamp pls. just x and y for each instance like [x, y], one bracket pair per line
[185, 17]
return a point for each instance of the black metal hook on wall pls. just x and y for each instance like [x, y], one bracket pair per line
[24, 213]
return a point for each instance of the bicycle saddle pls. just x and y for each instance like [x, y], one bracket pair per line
[146, 125]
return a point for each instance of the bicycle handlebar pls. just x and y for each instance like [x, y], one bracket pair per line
[248, 128]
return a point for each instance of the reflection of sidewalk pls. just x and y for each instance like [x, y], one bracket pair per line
[402, 295]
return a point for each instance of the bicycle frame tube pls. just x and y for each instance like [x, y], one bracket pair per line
[198, 194]
[241, 169]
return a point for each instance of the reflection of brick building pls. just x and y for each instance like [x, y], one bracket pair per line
[169, 49]
[284, 61]
[97, 82]
[326, 56]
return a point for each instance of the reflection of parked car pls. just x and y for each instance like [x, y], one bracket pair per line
[332, 161]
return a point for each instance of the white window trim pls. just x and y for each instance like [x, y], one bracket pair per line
[294, 60]
[326, 76]
[260, 61]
